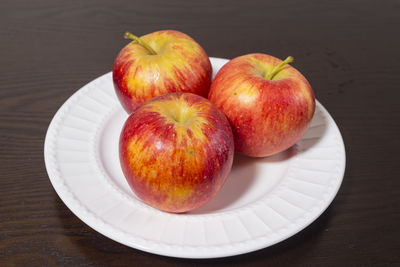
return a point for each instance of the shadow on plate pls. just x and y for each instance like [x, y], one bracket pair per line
[315, 133]
[242, 177]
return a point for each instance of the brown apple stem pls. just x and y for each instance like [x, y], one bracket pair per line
[129, 35]
[279, 67]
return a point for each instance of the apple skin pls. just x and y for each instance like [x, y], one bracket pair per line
[176, 151]
[180, 65]
[267, 116]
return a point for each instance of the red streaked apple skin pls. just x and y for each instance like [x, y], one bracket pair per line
[267, 116]
[173, 166]
[181, 65]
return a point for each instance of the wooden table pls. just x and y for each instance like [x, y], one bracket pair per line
[349, 51]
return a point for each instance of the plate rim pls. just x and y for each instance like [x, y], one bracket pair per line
[98, 226]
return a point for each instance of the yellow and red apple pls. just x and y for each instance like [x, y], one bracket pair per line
[159, 63]
[268, 103]
[176, 151]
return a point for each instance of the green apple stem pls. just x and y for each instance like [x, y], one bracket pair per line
[129, 35]
[279, 67]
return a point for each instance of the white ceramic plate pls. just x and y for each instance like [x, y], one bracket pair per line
[264, 201]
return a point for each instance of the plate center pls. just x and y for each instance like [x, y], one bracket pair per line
[249, 180]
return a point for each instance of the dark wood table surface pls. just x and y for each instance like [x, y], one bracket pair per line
[348, 50]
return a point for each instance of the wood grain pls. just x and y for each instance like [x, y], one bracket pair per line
[349, 51]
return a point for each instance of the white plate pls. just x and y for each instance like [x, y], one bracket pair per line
[264, 201]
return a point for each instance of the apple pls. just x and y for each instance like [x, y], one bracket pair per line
[176, 151]
[268, 103]
[159, 63]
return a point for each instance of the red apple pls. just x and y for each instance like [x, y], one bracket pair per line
[268, 103]
[159, 63]
[176, 151]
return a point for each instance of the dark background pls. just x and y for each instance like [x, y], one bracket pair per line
[348, 50]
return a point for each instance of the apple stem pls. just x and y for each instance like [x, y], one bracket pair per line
[129, 35]
[279, 67]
